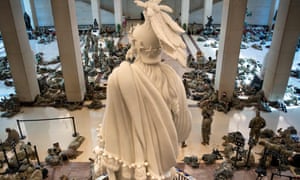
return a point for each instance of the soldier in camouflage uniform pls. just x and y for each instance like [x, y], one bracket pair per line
[206, 124]
[12, 136]
[255, 125]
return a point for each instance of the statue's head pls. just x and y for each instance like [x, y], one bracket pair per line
[158, 33]
[146, 43]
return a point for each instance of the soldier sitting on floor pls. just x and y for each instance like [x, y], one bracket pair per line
[12, 136]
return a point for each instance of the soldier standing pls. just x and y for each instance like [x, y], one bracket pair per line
[186, 87]
[207, 113]
[255, 125]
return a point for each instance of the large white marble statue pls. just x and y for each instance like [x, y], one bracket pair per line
[146, 116]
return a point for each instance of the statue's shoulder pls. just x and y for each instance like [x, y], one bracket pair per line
[123, 70]
[121, 75]
[120, 70]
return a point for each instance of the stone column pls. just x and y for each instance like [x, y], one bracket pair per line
[208, 6]
[232, 25]
[273, 9]
[69, 48]
[282, 50]
[20, 56]
[29, 8]
[118, 13]
[96, 11]
[185, 11]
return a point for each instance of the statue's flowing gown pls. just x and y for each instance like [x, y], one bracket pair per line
[140, 132]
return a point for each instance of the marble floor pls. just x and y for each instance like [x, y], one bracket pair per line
[44, 134]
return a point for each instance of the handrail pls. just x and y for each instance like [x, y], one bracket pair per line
[46, 119]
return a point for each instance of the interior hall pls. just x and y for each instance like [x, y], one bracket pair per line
[242, 58]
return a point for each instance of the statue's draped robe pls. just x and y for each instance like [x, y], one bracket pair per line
[139, 131]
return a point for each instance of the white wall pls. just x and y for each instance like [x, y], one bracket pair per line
[130, 9]
[83, 13]
[197, 16]
[44, 12]
[260, 13]
[175, 5]
[107, 17]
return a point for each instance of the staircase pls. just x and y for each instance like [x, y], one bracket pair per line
[192, 48]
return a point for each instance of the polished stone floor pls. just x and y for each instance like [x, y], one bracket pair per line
[44, 134]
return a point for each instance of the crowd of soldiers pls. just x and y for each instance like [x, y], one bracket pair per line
[56, 156]
[19, 160]
[200, 80]
[209, 30]
[199, 85]
[43, 35]
[19, 164]
[99, 55]
[5, 73]
[10, 106]
[280, 150]
[234, 154]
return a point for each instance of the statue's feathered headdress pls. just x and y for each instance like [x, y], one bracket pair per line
[165, 28]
